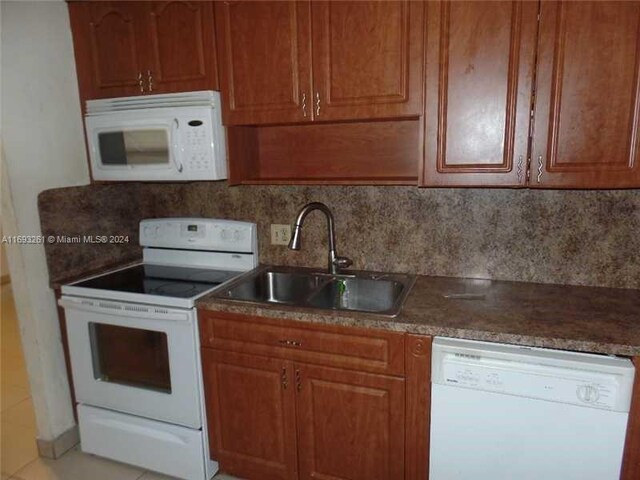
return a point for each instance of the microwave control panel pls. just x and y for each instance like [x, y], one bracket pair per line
[198, 150]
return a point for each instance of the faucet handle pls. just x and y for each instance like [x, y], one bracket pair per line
[343, 262]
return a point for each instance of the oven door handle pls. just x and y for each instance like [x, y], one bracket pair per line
[125, 309]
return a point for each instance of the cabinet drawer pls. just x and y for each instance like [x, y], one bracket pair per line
[368, 350]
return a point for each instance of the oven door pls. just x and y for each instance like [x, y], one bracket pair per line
[133, 358]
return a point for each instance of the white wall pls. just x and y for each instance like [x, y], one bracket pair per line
[42, 139]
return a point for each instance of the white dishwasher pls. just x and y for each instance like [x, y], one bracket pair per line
[505, 412]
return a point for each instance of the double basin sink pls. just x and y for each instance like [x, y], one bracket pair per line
[300, 287]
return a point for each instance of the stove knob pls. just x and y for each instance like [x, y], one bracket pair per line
[237, 235]
[150, 232]
[225, 235]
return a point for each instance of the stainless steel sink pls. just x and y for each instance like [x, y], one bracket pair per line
[357, 291]
[275, 287]
[364, 294]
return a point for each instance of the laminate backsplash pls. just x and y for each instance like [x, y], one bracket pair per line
[546, 236]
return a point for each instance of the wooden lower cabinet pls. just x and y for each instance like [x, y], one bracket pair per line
[334, 405]
[269, 417]
[251, 414]
[350, 424]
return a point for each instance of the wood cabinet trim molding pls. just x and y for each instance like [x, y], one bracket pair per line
[631, 459]
[418, 406]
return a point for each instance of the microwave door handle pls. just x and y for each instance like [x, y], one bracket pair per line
[176, 149]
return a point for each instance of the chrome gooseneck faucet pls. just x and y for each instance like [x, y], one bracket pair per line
[335, 262]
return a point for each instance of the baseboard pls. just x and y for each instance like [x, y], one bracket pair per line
[60, 445]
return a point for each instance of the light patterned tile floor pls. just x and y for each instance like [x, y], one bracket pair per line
[18, 453]
[17, 420]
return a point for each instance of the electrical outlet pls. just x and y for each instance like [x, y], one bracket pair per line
[280, 234]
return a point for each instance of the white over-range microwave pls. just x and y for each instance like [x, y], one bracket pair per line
[171, 137]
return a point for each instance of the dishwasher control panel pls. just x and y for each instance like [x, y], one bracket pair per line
[567, 377]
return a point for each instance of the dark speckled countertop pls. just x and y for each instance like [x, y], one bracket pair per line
[588, 319]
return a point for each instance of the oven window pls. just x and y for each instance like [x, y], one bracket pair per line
[134, 147]
[130, 356]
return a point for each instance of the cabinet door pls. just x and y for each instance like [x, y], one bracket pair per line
[350, 424]
[587, 111]
[265, 64]
[181, 50]
[108, 49]
[250, 405]
[479, 70]
[367, 59]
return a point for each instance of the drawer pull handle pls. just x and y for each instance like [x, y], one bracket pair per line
[290, 343]
[519, 171]
[285, 383]
[140, 82]
[298, 380]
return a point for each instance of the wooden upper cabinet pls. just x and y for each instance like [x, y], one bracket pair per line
[350, 424]
[587, 111]
[109, 53]
[250, 404]
[264, 60]
[135, 48]
[479, 68]
[367, 59]
[181, 51]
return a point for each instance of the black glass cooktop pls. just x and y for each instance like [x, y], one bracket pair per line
[179, 282]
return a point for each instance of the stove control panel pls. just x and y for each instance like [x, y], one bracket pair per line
[199, 234]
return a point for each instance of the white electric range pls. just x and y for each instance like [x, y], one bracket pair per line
[134, 345]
